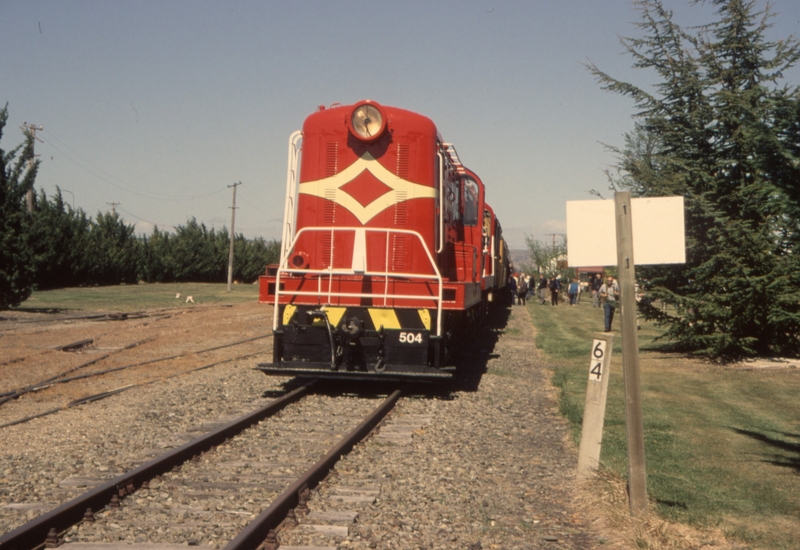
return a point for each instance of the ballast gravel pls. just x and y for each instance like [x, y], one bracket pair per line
[486, 465]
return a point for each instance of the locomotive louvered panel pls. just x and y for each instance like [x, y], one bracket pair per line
[399, 253]
[332, 159]
[331, 169]
[327, 249]
[402, 160]
[329, 209]
[400, 209]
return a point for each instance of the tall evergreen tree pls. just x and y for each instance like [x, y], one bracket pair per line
[114, 250]
[59, 243]
[253, 256]
[157, 262]
[17, 174]
[721, 131]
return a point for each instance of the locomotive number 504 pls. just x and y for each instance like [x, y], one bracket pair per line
[410, 338]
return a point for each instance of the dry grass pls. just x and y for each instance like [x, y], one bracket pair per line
[606, 498]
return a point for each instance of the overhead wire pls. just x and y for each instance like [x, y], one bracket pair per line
[154, 196]
[146, 221]
[105, 176]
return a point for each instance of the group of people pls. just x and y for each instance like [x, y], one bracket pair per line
[556, 288]
[521, 288]
[605, 293]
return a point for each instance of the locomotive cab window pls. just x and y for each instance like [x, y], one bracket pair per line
[470, 201]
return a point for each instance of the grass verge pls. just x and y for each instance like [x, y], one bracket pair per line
[138, 297]
[722, 443]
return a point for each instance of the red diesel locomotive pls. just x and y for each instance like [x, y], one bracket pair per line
[390, 255]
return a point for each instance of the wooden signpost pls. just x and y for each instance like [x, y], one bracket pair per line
[637, 475]
[658, 232]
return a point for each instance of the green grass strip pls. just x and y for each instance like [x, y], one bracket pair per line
[722, 443]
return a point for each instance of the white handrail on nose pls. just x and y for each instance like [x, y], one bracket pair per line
[329, 272]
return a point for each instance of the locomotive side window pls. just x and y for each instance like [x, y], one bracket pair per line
[450, 188]
[470, 201]
[451, 198]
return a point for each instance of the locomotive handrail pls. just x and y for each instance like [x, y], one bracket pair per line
[290, 207]
[441, 203]
[386, 274]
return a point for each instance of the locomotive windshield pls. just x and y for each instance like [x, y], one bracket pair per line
[470, 201]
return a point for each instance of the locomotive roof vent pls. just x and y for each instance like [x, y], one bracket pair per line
[367, 121]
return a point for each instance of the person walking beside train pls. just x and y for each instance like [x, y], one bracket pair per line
[555, 286]
[595, 285]
[541, 290]
[609, 293]
[572, 290]
[522, 290]
[512, 286]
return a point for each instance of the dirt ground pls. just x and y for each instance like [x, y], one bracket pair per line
[29, 351]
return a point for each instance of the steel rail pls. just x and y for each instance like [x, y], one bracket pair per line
[260, 528]
[76, 345]
[35, 533]
[109, 393]
[46, 383]
[58, 379]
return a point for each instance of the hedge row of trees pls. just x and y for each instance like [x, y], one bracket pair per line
[57, 246]
[70, 249]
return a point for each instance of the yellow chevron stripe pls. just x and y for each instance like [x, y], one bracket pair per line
[288, 312]
[425, 317]
[335, 314]
[385, 318]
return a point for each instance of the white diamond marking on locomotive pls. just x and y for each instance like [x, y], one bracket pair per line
[332, 186]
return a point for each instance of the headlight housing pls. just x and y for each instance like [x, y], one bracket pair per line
[367, 121]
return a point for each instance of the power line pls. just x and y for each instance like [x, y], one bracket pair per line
[148, 221]
[155, 196]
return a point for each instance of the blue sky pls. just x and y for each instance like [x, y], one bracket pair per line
[160, 106]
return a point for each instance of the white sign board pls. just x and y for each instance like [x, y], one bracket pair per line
[658, 232]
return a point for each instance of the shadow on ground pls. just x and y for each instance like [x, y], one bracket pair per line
[471, 363]
[782, 452]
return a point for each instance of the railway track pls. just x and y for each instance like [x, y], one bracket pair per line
[234, 485]
[62, 378]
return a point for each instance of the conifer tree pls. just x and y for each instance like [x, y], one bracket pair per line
[17, 174]
[721, 131]
[59, 243]
[114, 250]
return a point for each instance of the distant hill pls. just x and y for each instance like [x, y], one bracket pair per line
[520, 257]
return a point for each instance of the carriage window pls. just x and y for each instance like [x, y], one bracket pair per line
[470, 201]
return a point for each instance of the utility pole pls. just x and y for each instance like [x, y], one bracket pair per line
[113, 206]
[233, 220]
[32, 129]
[554, 235]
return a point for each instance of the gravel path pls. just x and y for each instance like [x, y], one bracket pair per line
[489, 465]
[489, 468]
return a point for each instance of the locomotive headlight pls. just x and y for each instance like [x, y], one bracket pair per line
[367, 122]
